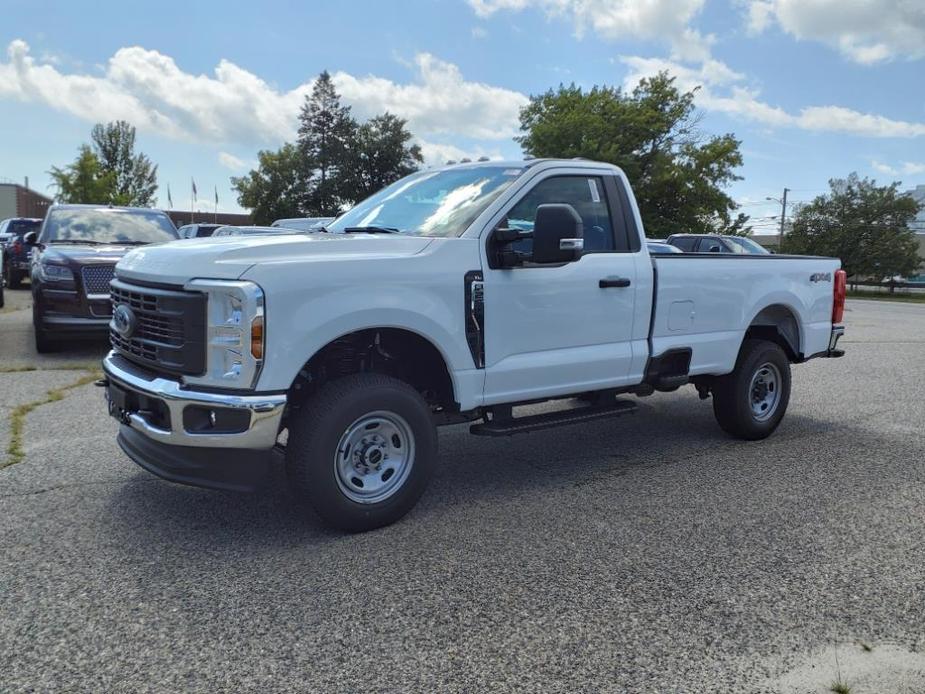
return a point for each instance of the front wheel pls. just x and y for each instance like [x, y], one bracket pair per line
[362, 451]
[750, 402]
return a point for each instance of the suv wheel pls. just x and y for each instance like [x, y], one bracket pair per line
[750, 402]
[43, 344]
[362, 451]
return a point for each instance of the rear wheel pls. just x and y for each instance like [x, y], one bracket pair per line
[362, 451]
[750, 402]
[14, 279]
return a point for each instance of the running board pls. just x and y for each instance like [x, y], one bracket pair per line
[520, 425]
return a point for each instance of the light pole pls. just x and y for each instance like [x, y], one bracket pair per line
[783, 216]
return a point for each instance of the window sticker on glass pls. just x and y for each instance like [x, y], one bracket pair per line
[595, 196]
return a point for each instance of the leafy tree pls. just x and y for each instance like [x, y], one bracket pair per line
[135, 177]
[865, 225]
[651, 133]
[276, 189]
[83, 181]
[379, 154]
[325, 132]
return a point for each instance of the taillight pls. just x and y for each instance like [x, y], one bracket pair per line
[838, 302]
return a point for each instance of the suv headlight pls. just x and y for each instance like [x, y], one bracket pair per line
[235, 333]
[49, 272]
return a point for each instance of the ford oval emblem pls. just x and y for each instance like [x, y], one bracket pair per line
[123, 321]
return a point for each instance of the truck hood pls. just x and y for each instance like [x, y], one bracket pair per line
[229, 257]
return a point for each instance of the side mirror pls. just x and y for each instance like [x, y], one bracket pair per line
[558, 234]
[715, 249]
[30, 238]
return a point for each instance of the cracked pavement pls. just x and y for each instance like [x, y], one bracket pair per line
[646, 554]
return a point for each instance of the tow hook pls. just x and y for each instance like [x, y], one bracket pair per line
[101, 383]
[703, 390]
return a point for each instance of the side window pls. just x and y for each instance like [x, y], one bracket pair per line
[584, 193]
[708, 245]
[685, 243]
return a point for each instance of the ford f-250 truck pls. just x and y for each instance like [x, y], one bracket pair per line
[454, 295]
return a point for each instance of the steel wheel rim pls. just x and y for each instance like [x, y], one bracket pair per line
[374, 457]
[764, 391]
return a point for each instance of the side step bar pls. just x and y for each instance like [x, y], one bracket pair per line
[506, 426]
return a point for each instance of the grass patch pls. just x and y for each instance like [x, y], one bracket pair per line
[14, 450]
[839, 687]
[77, 366]
[884, 296]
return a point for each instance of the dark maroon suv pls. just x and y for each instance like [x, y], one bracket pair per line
[74, 260]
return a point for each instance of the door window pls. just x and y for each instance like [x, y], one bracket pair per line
[685, 243]
[709, 245]
[584, 193]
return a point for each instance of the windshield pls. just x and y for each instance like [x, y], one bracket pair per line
[105, 225]
[744, 245]
[21, 227]
[431, 203]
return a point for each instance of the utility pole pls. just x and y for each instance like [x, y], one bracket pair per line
[783, 217]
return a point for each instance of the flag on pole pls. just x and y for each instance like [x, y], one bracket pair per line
[216, 195]
[169, 199]
[195, 193]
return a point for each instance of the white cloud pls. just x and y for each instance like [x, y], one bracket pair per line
[667, 20]
[865, 31]
[479, 33]
[230, 161]
[150, 90]
[908, 168]
[721, 91]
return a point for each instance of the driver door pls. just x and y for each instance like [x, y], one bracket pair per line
[565, 327]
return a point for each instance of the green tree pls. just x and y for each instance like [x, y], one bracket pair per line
[83, 181]
[135, 177]
[326, 130]
[678, 175]
[865, 225]
[276, 188]
[380, 153]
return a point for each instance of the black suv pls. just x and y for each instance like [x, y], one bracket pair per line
[16, 250]
[74, 260]
[716, 243]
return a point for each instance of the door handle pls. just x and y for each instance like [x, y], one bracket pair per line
[613, 282]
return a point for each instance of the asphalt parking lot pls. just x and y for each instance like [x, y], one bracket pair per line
[645, 554]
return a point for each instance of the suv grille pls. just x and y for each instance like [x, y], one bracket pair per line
[169, 331]
[97, 277]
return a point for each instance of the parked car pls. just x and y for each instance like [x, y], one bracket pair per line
[454, 295]
[17, 250]
[197, 231]
[72, 265]
[252, 231]
[716, 243]
[656, 247]
[303, 223]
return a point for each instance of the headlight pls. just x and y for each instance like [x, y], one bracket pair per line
[49, 272]
[235, 333]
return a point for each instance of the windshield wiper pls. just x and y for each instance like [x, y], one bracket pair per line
[372, 230]
[71, 241]
[131, 243]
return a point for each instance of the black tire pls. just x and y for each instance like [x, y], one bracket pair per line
[1, 294]
[14, 279]
[738, 397]
[315, 436]
[43, 343]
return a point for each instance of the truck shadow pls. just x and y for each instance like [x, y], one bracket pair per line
[152, 515]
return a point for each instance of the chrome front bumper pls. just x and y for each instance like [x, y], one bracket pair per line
[265, 411]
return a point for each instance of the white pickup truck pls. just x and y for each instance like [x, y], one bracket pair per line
[454, 295]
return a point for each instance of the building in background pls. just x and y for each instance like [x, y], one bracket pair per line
[21, 201]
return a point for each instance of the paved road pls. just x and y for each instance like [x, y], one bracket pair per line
[650, 554]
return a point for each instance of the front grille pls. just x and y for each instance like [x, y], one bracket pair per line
[169, 332]
[97, 277]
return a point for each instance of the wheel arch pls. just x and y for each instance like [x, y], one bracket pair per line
[397, 351]
[777, 323]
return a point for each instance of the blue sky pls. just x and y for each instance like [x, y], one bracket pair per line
[813, 88]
